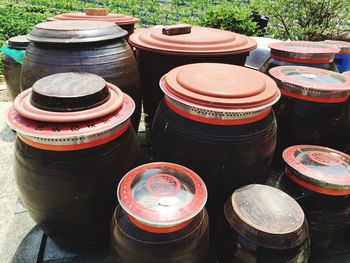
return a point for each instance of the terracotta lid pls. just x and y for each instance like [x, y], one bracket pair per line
[222, 86]
[303, 52]
[119, 19]
[91, 112]
[342, 45]
[78, 31]
[319, 169]
[311, 84]
[267, 216]
[162, 195]
[18, 42]
[200, 41]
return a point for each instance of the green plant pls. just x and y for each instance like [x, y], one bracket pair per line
[233, 16]
[306, 19]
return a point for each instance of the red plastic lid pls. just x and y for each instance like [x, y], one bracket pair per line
[216, 85]
[303, 51]
[119, 19]
[319, 169]
[70, 130]
[162, 194]
[311, 84]
[344, 46]
[201, 41]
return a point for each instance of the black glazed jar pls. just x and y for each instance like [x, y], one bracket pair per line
[217, 119]
[318, 178]
[161, 217]
[301, 53]
[263, 224]
[74, 143]
[313, 108]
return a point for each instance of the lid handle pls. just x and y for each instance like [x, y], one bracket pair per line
[177, 29]
[96, 11]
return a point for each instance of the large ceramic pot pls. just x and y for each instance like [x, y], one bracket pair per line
[159, 50]
[342, 58]
[313, 108]
[83, 46]
[318, 178]
[161, 217]
[74, 143]
[101, 14]
[217, 119]
[12, 67]
[301, 53]
[263, 224]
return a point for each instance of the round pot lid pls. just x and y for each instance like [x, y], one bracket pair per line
[319, 169]
[224, 86]
[118, 19]
[311, 84]
[303, 51]
[78, 31]
[32, 115]
[162, 194]
[18, 42]
[200, 41]
[342, 45]
[267, 216]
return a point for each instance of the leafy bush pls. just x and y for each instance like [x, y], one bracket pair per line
[307, 19]
[232, 16]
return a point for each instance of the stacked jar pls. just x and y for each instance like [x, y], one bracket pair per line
[74, 143]
[313, 108]
[161, 216]
[12, 64]
[318, 178]
[160, 49]
[262, 224]
[301, 53]
[217, 119]
[83, 46]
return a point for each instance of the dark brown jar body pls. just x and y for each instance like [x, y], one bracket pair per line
[307, 122]
[328, 216]
[71, 195]
[132, 244]
[113, 60]
[153, 66]
[234, 248]
[272, 62]
[225, 156]
[12, 73]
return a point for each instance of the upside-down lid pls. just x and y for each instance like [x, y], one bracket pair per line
[218, 85]
[319, 169]
[311, 84]
[343, 45]
[200, 41]
[119, 19]
[162, 194]
[78, 31]
[267, 216]
[18, 42]
[303, 52]
[70, 108]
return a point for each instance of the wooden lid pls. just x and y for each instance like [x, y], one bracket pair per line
[78, 31]
[198, 41]
[267, 216]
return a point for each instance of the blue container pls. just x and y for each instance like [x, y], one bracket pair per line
[342, 59]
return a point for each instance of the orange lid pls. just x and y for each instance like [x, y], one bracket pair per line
[218, 85]
[119, 19]
[200, 41]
